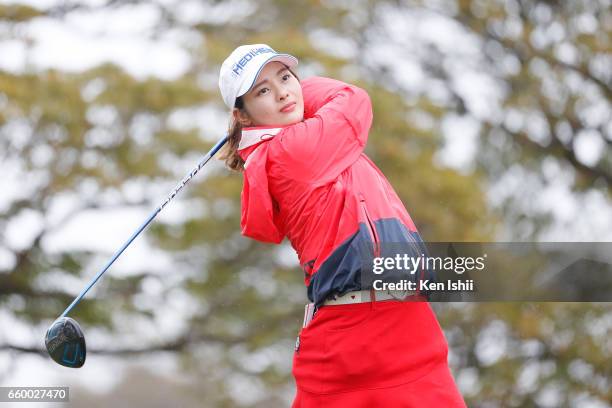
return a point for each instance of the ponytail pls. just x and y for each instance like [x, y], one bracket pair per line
[229, 152]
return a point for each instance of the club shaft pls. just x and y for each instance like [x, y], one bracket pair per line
[144, 225]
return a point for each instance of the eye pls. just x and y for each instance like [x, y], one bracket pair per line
[286, 77]
[262, 91]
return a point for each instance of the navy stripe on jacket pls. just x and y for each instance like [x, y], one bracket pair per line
[343, 270]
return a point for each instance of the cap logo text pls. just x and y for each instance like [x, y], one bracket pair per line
[238, 67]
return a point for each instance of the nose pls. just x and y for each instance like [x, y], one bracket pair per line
[282, 93]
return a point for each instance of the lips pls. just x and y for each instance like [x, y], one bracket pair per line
[288, 108]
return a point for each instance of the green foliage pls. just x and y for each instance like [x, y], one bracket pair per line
[238, 296]
[16, 13]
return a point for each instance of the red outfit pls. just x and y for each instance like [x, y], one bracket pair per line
[375, 354]
[312, 183]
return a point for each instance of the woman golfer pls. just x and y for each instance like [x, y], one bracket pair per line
[300, 148]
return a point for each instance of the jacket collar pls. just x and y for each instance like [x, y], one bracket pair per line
[255, 135]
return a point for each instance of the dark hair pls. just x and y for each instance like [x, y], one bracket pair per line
[229, 152]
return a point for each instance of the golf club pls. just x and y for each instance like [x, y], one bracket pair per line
[65, 341]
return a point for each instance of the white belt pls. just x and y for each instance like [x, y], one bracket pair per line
[360, 296]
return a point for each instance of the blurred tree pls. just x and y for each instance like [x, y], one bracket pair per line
[103, 140]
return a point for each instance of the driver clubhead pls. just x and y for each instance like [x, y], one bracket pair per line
[65, 342]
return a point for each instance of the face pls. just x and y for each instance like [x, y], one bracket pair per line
[274, 100]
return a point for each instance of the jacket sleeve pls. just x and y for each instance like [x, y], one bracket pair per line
[337, 119]
[259, 217]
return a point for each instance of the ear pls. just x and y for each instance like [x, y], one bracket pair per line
[242, 117]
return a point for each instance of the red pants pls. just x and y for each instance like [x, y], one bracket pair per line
[374, 354]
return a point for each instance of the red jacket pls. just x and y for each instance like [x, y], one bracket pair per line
[312, 183]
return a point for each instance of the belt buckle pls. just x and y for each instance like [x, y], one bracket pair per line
[404, 294]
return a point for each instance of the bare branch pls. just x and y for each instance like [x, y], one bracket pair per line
[177, 345]
[557, 148]
[582, 69]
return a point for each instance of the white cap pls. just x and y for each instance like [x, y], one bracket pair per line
[240, 70]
